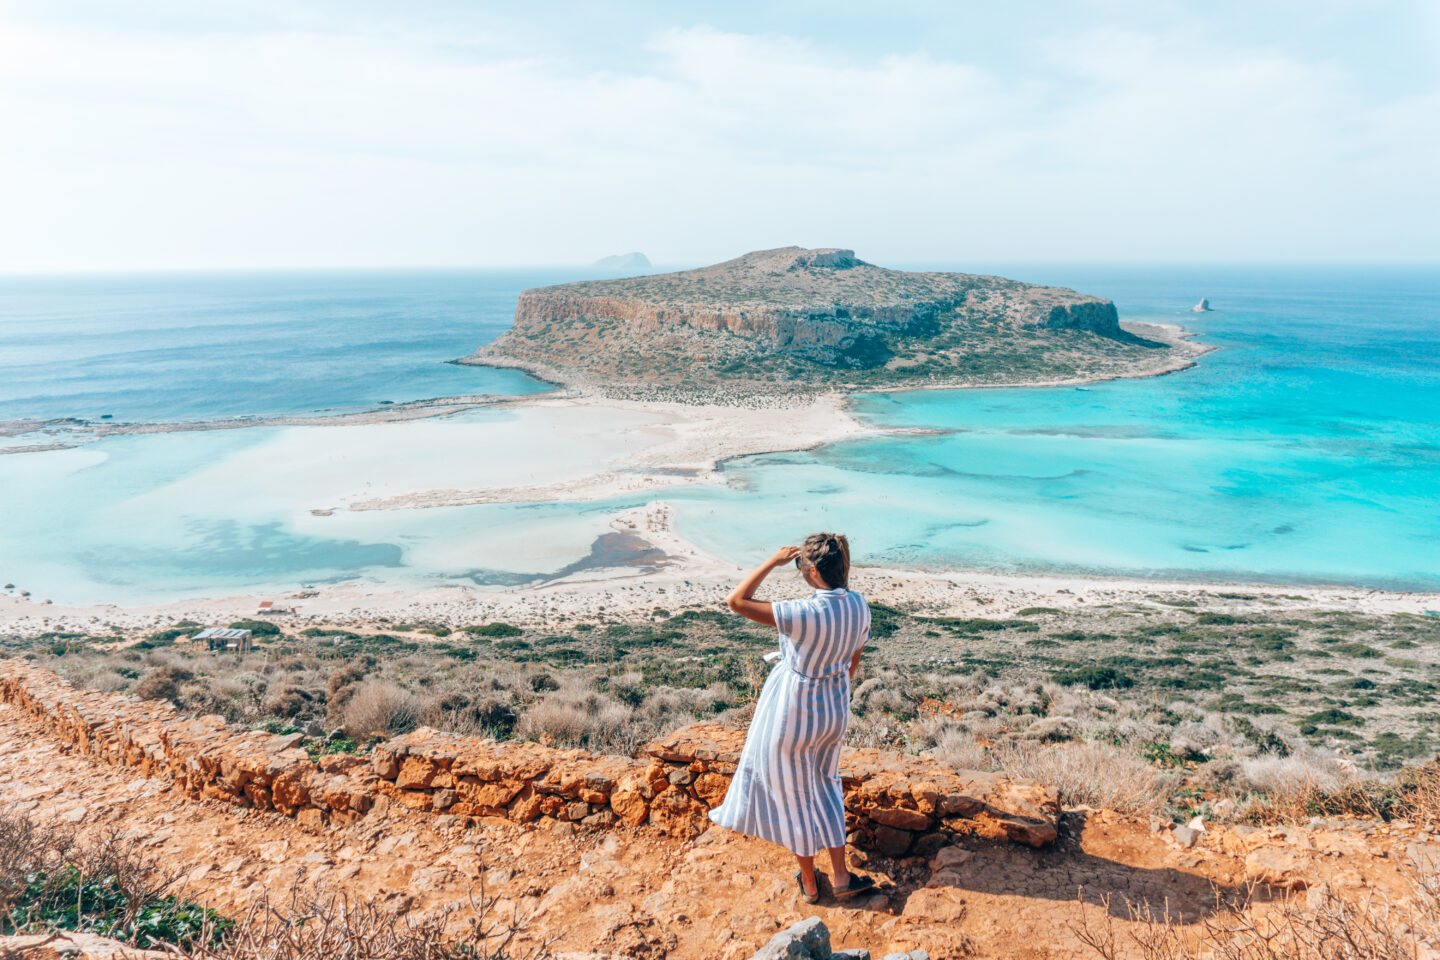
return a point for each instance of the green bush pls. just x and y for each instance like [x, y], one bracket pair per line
[1358, 650]
[980, 624]
[1266, 741]
[1334, 716]
[68, 899]
[1095, 677]
[1218, 619]
[496, 629]
[884, 621]
[260, 628]
[162, 638]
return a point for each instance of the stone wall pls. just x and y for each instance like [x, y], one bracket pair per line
[894, 804]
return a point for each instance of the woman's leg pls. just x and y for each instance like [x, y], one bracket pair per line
[839, 873]
[807, 873]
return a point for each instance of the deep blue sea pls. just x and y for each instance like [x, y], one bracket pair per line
[171, 347]
[1306, 449]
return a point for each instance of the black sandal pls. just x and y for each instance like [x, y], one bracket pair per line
[857, 884]
[808, 897]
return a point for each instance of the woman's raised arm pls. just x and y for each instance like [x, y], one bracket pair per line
[759, 610]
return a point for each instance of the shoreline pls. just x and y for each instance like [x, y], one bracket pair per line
[80, 431]
[689, 578]
[1173, 335]
[690, 443]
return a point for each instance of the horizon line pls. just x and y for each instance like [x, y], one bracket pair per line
[672, 266]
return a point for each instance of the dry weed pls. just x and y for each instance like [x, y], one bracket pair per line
[1314, 926]
[1090, 774]
[325, 924]
[379, 706]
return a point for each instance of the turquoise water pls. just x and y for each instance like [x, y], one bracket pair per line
[1306, 449]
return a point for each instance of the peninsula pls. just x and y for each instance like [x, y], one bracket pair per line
[794, 320]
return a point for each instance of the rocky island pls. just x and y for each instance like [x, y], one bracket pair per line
[623, 261]
[807, 320]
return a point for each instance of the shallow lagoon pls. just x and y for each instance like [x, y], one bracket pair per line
[1307, 449]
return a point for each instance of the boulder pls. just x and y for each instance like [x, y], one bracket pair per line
[807, 940]
[74, 946]
[629, 804]
[1280, 867]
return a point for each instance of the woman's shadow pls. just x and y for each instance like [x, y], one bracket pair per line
[1065, 871]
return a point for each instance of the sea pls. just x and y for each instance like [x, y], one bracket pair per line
[1305, 449]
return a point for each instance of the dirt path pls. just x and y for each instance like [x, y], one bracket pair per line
[625, 893]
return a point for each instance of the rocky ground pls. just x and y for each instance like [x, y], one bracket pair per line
[633, 893]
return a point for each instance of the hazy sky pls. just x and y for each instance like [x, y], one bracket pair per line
[296, 133]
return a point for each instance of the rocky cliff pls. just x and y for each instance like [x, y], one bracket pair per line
[793, 318]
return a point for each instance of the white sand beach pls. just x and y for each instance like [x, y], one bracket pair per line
[690, 578]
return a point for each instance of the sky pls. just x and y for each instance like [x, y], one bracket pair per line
[166, 134]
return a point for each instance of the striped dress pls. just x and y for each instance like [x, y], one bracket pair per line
[786, 788]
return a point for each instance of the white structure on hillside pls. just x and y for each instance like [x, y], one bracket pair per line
[225, 639]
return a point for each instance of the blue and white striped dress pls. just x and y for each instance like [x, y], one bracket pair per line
[786, 788]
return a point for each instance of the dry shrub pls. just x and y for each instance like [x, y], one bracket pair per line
[1313, 926]
[876, 731]
[326, 924]
[294, 702]
[1225, 778]
[162, 683]
[380, 707]
[961, 749]
[576, 717]
[28, 848]
[1313, 784]
[457, 712]
[1090, 774]
[342, 686]
[1420, 793]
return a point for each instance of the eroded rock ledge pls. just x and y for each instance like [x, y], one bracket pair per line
[894, 804]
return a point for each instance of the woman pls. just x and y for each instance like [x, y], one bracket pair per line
[786, 788]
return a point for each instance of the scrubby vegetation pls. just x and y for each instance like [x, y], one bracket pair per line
[1172, 705]
[51, 880]
[1318, 925]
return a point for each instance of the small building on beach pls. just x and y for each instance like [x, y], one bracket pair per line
[225, 640]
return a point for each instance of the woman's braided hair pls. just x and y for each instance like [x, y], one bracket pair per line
[829, 554]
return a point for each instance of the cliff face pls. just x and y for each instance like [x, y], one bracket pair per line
[779, 327]
[797, 316]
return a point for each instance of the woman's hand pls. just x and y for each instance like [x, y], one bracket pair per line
[741, 598]
[783, 556]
